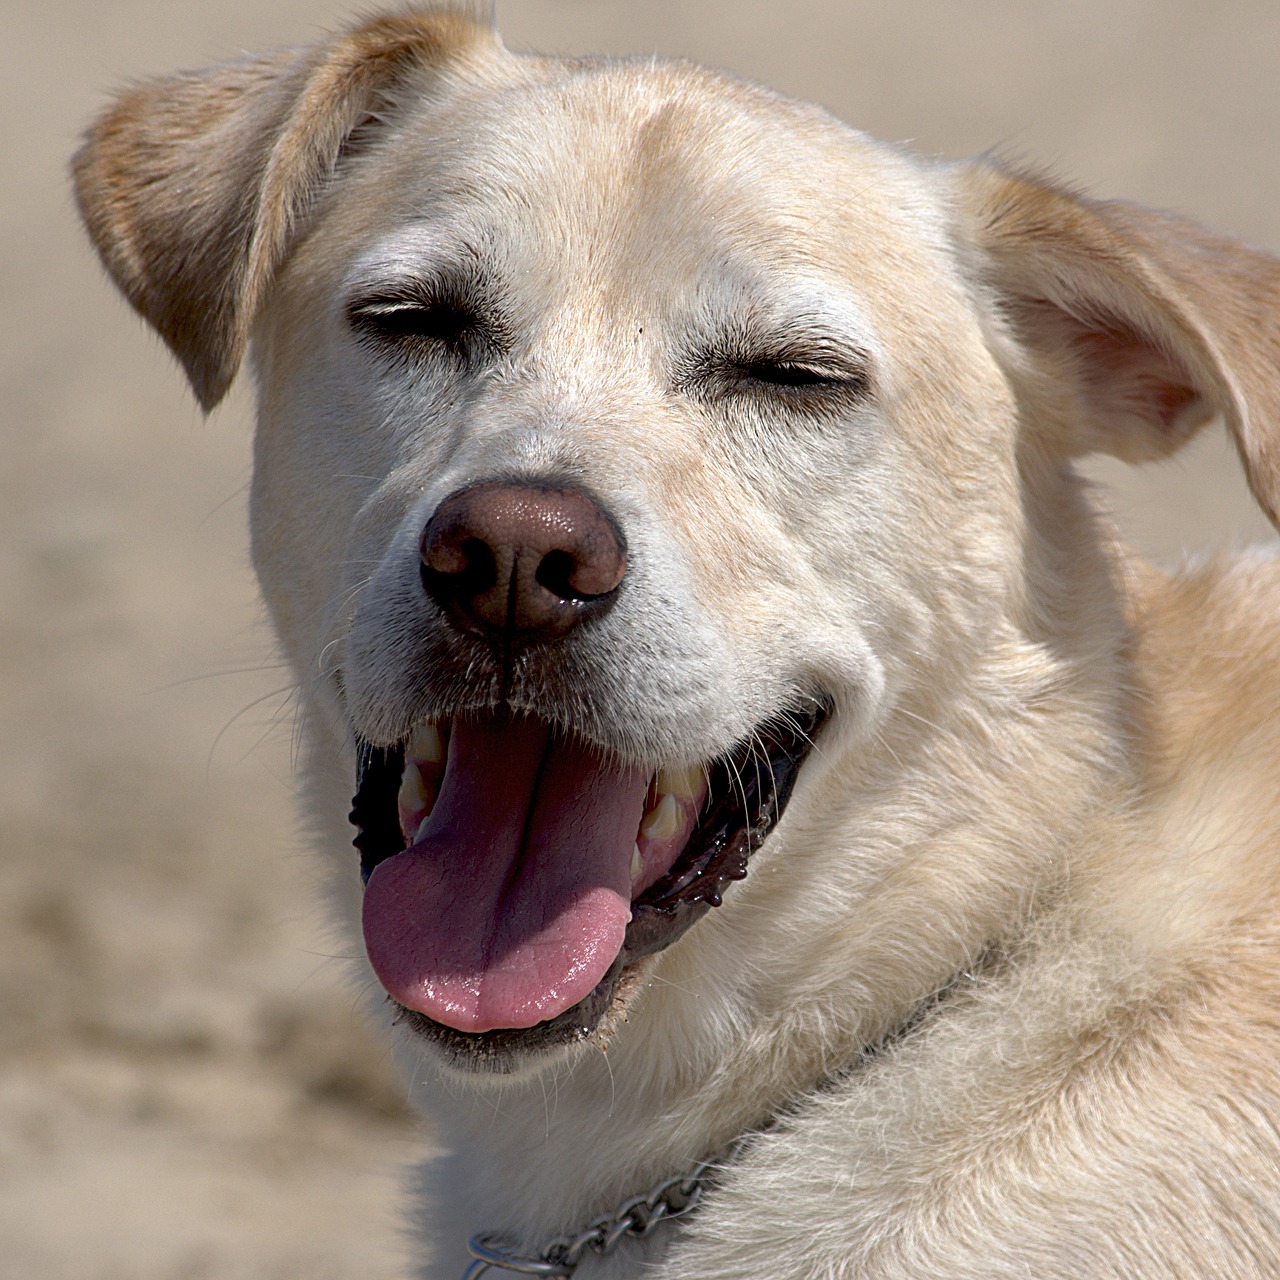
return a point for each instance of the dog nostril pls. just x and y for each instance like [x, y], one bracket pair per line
[459, 567]
[556, 573]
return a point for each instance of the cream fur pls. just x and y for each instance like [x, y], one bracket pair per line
[1006, 975]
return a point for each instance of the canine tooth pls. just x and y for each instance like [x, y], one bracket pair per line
[417, 835]
[637, 864]
[685, 783]
[413, 791]
[426, 745]
[663, 820]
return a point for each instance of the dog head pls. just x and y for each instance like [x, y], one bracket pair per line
[639, 449]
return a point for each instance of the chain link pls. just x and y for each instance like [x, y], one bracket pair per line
[638, 1216]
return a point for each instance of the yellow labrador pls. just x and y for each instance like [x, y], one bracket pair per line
[777, 796]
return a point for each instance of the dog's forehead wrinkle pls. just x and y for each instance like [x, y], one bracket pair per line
[648, 127]
[423, 249]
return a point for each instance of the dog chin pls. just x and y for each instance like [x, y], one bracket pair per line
[528, 1051]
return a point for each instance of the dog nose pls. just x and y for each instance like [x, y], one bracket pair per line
[521, 561]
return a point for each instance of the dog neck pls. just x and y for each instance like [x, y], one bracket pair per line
[514, 1189]
[637, 1216]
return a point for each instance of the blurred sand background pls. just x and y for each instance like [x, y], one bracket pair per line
[186, 1090]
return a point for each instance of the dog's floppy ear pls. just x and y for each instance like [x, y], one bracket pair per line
[1159, 324]
[193, 187]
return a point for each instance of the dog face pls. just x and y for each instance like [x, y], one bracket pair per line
[636, 449]
[752, 416]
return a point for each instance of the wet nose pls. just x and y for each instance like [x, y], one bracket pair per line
[522, 562]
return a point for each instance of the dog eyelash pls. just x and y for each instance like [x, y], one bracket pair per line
[794, 374]
[802, 383]
[409, 319]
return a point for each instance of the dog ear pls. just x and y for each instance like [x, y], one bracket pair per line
[194, 187]
[1158, 324]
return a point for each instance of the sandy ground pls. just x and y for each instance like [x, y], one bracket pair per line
[186, 1089]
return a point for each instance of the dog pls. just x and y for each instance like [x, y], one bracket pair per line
[795, 838]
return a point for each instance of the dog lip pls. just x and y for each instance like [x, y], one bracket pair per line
[750, 788]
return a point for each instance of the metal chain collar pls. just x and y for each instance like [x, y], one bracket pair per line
[635, 1217]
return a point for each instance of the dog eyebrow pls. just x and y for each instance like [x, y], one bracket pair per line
[417, 281]
[801, 322]
[422, 262]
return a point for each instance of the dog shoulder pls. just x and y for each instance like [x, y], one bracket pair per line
[1080, 1115]
[1208, 637]
[1206, 643]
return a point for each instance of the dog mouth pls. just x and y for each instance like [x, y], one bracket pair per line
[514, 873]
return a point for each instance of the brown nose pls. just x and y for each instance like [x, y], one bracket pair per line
[521, 561]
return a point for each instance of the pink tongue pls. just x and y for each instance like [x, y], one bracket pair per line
[513, 904]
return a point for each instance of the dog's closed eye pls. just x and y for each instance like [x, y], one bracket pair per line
[402, 319]
[782, 372]
[802, 380]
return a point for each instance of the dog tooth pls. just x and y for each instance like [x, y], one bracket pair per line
[417, 835]
[663, 820]
[684, 783]
[637, 864]
[426, 744]
[413, 790]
